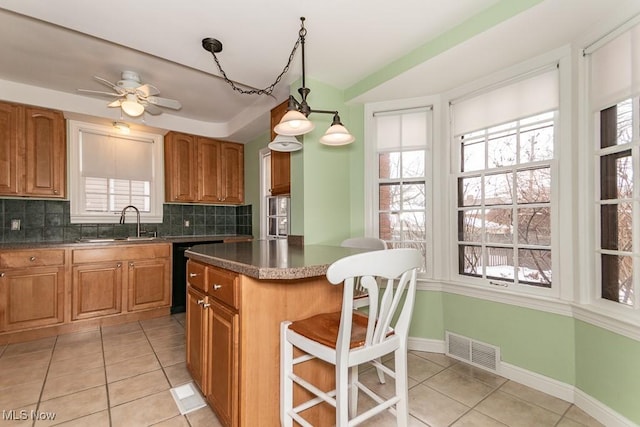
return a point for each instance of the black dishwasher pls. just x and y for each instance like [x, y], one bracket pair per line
[179, 290]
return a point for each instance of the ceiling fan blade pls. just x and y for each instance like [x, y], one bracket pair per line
[152, 109]
[98, 92]
[116, 103]
[147, 90]
[164, 102]
[109, 84]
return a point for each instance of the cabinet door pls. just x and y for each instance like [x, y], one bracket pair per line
[209, 172]
[11, 128]
[232, 167]
[222, 369]
[280, 162]
[180, 167]
[149, 284]
[31, 297]
[96, 290]
[196, 331]
[45, 153]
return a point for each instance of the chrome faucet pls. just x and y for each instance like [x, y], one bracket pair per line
[137, 218]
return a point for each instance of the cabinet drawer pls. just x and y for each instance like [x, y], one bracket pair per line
[32, 258]
[223, 286]
[196, 275]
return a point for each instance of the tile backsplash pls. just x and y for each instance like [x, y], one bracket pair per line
[48, 221]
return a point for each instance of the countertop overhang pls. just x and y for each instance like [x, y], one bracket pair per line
[271, 259]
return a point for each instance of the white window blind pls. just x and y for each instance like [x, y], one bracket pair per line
[107, 156]
[615, 70]
[523, 98]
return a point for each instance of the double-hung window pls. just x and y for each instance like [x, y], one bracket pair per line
[110, 171]
[615, 105]
[504, 144]
[402, 177]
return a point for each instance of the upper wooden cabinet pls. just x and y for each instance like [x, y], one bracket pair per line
[203, 170]
[280, 161]
[32, 151]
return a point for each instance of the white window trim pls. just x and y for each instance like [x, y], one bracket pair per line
[371, 168]
[75, 179]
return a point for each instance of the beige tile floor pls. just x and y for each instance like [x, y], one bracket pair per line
[121, 376]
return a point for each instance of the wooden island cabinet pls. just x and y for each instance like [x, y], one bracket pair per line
[238, 295]
[71, 287]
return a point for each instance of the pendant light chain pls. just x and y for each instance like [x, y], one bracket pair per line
[269, 89]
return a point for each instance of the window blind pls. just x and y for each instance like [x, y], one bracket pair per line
[525, 97]
[615, 70]
[403, 128]
[106, 156]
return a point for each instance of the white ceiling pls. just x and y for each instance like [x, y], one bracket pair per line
[50, 49]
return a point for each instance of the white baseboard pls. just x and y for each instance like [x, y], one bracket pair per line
[567, 392]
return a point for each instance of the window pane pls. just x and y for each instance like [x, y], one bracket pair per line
[469, 191]
[616, 124]
[283, 203]
[498, 189]
[272, 206]
[501, 151]
[500, 263]
[499, 225]
[470, 259]
[470, 226]
[472, 153]
[389, 226]
[413, 164]
[389, 165]
[616, 226]
[534, 267]
[536, 143]
[413, 196]
[413, 226]
[534, 226]
[616, 176]
[389, 197]
[534, 185]
[617, 278]
[282, 226]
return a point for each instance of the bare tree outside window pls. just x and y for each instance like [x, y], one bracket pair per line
[504, 201]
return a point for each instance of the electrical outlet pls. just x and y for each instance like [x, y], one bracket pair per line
[186, 223]
[15, 224]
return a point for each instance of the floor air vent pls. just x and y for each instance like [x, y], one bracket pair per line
[474, 352]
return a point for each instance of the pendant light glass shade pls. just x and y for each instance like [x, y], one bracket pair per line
[337, 134]
[285, 143]
[294, 123]
[131, 106]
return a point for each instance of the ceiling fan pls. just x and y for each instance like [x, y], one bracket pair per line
[134, 97]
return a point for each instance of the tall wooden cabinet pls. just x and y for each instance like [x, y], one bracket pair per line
[280, 161]
[213, 337]
[32, 151]
[203, 170]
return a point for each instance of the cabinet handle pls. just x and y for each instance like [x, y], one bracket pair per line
[1, 274]
[32, 258]
[216, 286]
[131, 265]
[193, 274]
[200, 301]
[118, 265]
[55, 191]
[206, 305]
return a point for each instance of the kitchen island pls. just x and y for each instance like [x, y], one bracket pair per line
[237, 295]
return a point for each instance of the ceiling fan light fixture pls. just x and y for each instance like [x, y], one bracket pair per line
[294, 123]
[122, 128]
[285, 143]
[132, 107]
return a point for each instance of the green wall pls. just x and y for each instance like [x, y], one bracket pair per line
[608, 368]
[252, 178]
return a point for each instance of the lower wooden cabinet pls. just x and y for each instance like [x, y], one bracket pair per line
[31, 297]
[213, 339]
[61, 287]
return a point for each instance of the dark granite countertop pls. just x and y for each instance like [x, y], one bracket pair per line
[105, 242]
[271, 259]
